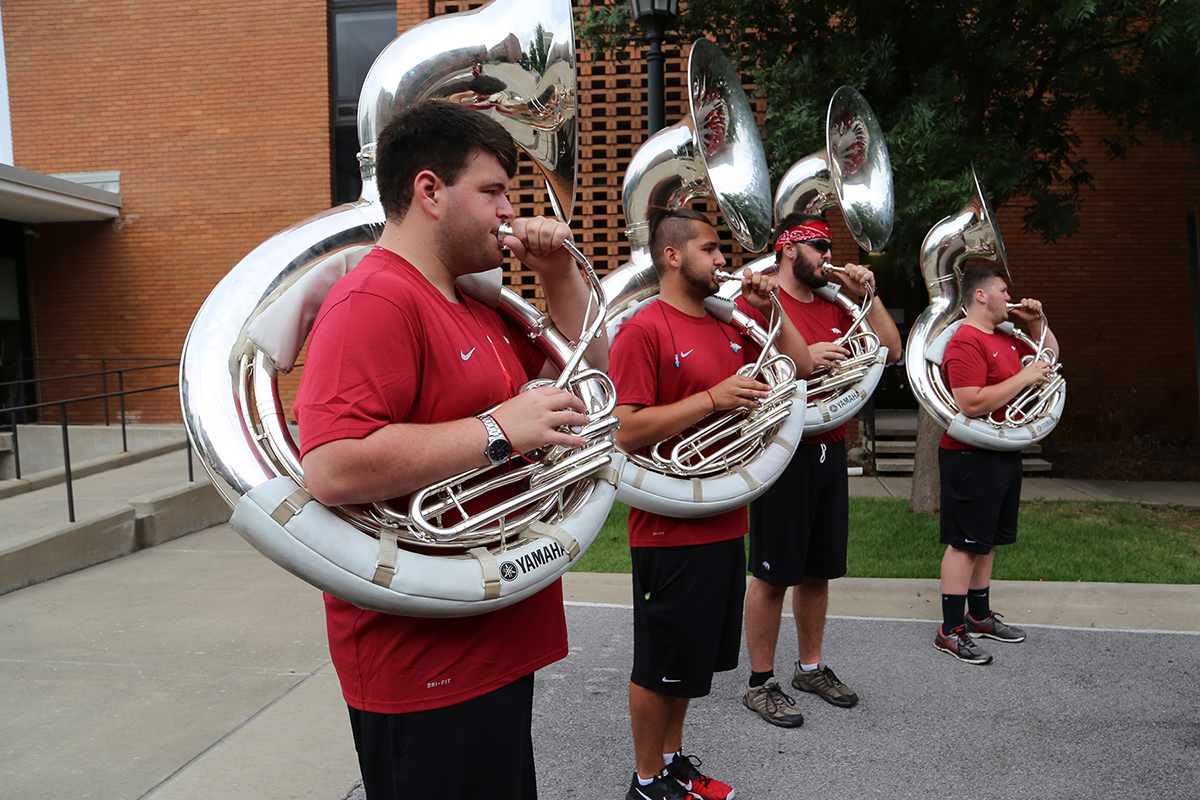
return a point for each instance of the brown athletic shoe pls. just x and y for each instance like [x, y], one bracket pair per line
[822, 682]
[772, 704]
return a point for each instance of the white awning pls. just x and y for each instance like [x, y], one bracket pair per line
[27, 196]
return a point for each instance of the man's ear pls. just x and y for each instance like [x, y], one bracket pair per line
[671, 256]
[427, 191]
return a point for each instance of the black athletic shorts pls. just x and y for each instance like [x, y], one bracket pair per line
[981, 495]
[687, 615]
[799, 527]
[478, 748]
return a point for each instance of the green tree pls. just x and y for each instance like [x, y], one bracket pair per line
[997, 83]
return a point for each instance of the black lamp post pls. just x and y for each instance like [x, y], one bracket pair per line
[655, 16]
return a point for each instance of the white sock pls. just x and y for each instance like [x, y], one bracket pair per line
[642, 781]
[668, 758]
[810, 667]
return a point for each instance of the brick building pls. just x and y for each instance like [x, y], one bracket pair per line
[204, 128]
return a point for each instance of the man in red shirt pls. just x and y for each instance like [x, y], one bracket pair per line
[800, 526]
[981, 489]
[399, 365]
[674, 364]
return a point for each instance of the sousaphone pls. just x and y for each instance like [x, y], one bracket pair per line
[854, 174]
[513, 60]
[1030, 417]
[715, 151]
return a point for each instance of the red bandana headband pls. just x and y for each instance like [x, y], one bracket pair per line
[802, 233]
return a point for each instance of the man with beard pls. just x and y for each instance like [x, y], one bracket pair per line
[399, 366]
[800, 526]
[673, 365]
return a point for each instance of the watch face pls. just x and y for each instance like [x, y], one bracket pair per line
[498, 450]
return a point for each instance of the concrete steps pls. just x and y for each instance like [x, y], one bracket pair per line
[123, 503]
[896, 443]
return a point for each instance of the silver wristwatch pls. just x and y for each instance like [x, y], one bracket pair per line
[498, 449]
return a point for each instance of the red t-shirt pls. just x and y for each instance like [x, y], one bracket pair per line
[975, 358]
[388, 347]
[661, 356]
[818, 321]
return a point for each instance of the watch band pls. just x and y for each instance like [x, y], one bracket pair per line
[493, 427]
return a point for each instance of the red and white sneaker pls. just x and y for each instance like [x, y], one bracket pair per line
[683, 769]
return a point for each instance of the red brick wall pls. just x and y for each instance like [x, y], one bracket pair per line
[1118, 293]
[216, 115]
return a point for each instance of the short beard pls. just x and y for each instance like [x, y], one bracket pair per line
[703, 284]
[814, 279]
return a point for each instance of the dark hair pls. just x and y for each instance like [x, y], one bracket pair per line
[671, 228]
[975, 278]
[436, 135]
[790, 221]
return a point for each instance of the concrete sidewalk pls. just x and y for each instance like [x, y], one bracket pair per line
[199, 669]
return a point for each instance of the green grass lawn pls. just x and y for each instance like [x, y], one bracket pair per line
[1058, 540]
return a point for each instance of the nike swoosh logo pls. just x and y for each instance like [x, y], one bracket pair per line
[688, 353]
[996, 355]
[672, 680]
[467, 354]
[970, 541]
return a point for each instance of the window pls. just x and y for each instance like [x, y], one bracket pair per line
[359, 30]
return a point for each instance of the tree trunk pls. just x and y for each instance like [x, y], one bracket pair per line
[926, 478]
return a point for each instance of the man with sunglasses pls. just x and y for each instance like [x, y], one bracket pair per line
[800, 526]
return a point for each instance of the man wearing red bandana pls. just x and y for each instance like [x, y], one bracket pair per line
[800, 526]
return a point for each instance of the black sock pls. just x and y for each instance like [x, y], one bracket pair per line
[953, 606]
[978, 603]
[759, 678]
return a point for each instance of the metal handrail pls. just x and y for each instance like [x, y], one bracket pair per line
[159, 363]
[62, 406]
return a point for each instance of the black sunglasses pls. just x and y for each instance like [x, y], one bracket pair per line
[820, 245]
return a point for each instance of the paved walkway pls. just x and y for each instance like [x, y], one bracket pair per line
[199, 669]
